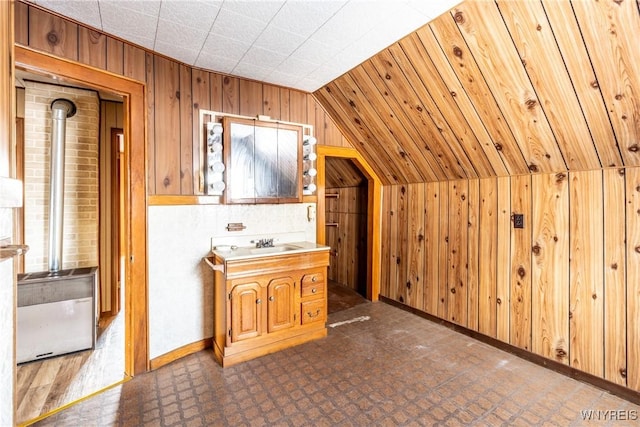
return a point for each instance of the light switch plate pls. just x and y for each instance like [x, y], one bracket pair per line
[311, 213]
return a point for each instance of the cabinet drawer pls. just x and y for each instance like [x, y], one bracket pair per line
[313, 311]
[312, 284]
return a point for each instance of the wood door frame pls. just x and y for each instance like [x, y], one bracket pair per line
[117, 212]
[374, 210]
[135, 222]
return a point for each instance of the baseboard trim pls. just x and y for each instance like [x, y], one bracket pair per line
[613, 388]
[180, 352]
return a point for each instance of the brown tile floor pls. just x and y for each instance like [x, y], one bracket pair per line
[379, 366]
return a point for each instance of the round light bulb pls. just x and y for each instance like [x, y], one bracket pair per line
[311, 156]
[312, 172]
[311, 187]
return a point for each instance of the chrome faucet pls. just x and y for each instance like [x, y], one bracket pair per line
[264, 243]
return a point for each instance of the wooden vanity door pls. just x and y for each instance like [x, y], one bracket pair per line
[246, 311]
[280, 309]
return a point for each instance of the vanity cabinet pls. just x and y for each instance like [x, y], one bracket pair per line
[261, 305]
[267, 303]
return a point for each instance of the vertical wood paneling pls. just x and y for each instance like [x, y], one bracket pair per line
[316, 118]
[633, 277]
[187, 170]
[457, 259]
[416, 248]
[230, 95]
[385, 242]
[473, 254]
[432, 247]
[135, 67]
[347, 236]
[503, 253]
[167, 126]
[54, 35]
[217, 93]
[200, 99]
[111, 116]
[332, 134]
[394, 246]
[115, 56]
[151, 123]
[550, 266]
[92, 48]
[21, 23]
[443, 249]
[250, 98]
[271, 101]
[310, 106]
[615, 302]
[586, 268]
[488, 260]
[284, 105]
[298, 107]
[520, 306]
[403, 243]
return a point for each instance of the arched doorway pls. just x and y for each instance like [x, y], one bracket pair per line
[374, 198]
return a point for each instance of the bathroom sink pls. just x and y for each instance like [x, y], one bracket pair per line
[274, 249]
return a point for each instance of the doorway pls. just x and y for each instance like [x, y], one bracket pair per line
[133, 224]
[344, 170]
[91, 207]
[346, 190]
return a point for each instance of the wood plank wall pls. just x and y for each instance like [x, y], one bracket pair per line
[111, 117]
[175, 93]
[566, 286]
[346, 219]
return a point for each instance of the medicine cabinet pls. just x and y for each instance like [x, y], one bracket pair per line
[263, 161]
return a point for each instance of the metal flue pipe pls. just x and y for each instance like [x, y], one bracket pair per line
[61, 109]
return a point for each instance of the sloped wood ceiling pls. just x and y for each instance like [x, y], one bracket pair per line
[499, 88]
[340, 172]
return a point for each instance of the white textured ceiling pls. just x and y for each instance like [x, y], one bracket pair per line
[301, 44]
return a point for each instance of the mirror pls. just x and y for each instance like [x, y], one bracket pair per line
[264, 161]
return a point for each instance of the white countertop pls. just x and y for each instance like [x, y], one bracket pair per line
[249, 252]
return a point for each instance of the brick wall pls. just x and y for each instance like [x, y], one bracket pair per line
[80, 242]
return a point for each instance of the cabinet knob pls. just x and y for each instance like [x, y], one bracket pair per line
[271, 298]
[314, 290]
[314, 279]
[258, 301]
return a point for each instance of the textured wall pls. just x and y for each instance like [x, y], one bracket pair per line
[180, 284]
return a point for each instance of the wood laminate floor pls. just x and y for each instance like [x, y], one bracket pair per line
[45, 385]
